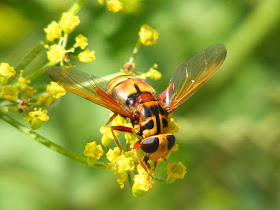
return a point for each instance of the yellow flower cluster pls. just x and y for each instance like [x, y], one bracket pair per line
[114, 5]
[101, 2]
[152, 73]
[93, 151]
[69, 22]
[22, 94]
[173, 126]
[175, 171]
[53, 92]
[123, 163]
[24, 85]
[107, 133]
[6, 71]
[140, 186]
[53, 31]
[81, 42]
[9, 92]
[86, 56]
[148, 35]
[57, 52]
[36, 117]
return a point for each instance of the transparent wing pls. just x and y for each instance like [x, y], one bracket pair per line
[87, 86]
[190, 76]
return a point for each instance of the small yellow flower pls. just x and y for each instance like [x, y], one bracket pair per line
[131, 138]
[175, 148]
[113, 154]
[140, 186]
[24, 85]
[121, 179]
[131, 154]
[69, 22]
[140, 170]
[148, 35]
[40, 114]
[6, 70]
[92, 150]
[55, 90]
[173, 126]
[153, 73]
[101, 2]
[36, 117]
[124, 163]
[142, 76]
[176, 170]
[105, 141]
[86, 56]
[81, 42]
[56, 53]
[44, 100]
[53, 31]
[114, 5]
[119, 121]
[106, 131]
[9, 92]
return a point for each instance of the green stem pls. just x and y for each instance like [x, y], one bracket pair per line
[65, 40]
[129, 178]
[39, 71]
[159, 179]
[9, 109]
[30, 56]
[50, 144]
[135, 51]
[77, 6]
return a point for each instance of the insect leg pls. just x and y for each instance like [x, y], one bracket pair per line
[123, 129]
[135, 148]
[111, 119]
[145, 161]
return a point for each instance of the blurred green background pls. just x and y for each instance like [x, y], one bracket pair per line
[229, 137]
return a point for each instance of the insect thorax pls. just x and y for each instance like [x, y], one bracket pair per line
[127, 90]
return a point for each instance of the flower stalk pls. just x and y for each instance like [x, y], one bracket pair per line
[42, 140]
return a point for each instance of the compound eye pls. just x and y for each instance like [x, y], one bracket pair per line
[150, 145]
[171, 141]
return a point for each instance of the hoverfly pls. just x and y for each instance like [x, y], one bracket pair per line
[136, 100]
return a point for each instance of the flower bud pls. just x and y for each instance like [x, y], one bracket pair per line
[35, 123]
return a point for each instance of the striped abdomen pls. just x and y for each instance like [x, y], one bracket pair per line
[153, 119]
